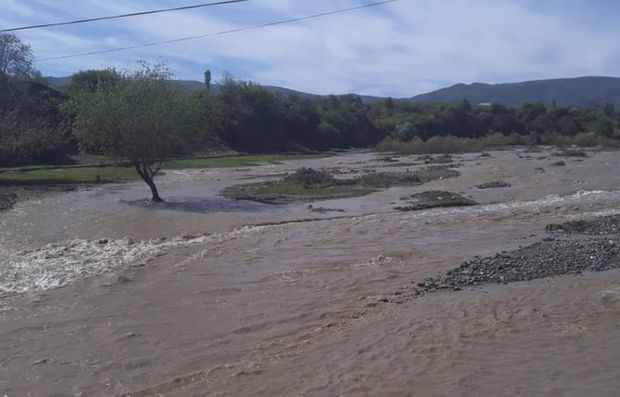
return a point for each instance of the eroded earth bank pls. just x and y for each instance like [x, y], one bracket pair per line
[371, 295]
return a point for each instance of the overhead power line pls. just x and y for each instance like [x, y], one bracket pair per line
[220, 33]
[133, 14]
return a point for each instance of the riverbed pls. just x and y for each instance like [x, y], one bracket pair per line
[201, 295]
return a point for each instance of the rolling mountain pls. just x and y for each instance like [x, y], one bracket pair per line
[592, 92]
[578, 91]
[192, 84]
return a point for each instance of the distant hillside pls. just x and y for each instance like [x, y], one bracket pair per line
[588, 92]
[191, 84]
[57, 82]
[579, 91]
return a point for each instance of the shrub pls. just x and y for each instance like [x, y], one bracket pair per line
[310, 176]
[386, 179]
[587, 139]
[561, 141]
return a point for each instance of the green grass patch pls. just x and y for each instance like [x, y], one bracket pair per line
[237, 160]
[106, 170]
[308, 185]
[82, 175]
[288, 192]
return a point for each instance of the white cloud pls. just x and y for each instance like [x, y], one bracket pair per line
[400, 49]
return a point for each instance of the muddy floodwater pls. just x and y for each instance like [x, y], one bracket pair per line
[102, 295]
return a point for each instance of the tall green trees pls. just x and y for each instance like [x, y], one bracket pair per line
[90, 81]
[32, 126]
[141, 118]
[16, 57]
[251, 118]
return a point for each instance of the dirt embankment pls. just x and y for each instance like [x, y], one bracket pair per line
[11, 195]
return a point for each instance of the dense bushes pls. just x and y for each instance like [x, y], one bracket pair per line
[33, 128]
[310, 176]
[459, 127]
[250, 118]
[37, 123]
[451, 144]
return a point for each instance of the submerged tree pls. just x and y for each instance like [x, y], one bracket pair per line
[141, 117]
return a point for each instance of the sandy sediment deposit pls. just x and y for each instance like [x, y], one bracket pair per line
[100, 296]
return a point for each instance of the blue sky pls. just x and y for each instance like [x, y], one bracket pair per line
[400, 49]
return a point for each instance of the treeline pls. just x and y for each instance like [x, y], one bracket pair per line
[454, 127]
[539, 123]
[249, 118]
[37, 122]
[33, 126]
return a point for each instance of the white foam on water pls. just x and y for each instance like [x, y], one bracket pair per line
[546, 204]
[55, 265]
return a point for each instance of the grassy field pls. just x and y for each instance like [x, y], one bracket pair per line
[290, 192]
[309, 185]
[237, 160]
[99, 170]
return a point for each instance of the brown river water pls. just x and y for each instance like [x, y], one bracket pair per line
[204, 296]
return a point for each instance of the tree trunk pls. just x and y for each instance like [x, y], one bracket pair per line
[148, 179]
[154, 193]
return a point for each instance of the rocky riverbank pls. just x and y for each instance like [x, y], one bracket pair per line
[603, 225]
[434, 199]
[576, 252]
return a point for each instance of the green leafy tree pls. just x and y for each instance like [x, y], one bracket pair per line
[301, 121]
[251, 117]
[16, 57]
[609, 110]
[32, 127]
[389, 104]
[90, 81]
[142, 118]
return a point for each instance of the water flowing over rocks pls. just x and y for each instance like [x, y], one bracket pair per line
[602, 225]
[7, 200]
[435, 199]
[572, 153]
[494, 185]
[11, 195]
[55, 265]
